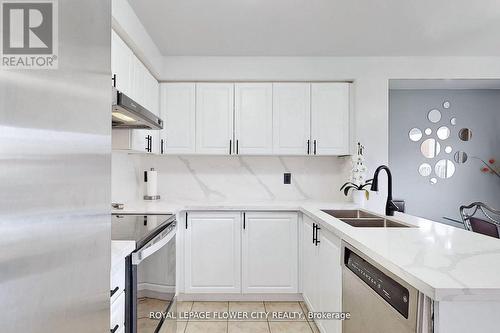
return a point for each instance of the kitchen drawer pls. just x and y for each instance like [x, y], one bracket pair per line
[117, 279]
[118, 313]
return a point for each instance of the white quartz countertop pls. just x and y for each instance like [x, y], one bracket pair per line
[443, 262]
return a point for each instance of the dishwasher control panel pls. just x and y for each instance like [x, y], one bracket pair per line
[391, 291]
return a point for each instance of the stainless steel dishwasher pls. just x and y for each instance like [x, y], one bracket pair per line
[379, 301]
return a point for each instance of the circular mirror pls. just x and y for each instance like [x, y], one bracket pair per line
[460, 157]
[415, 134]
[428, 131]
[443, 132]
[433, 181]
[424, 170]
[446, 104]
[444, 169]
[465, 134]
[453, 121]
[448, 149]
[430, 148]
[434, 115]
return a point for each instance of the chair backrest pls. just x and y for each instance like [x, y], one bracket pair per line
[487, 224]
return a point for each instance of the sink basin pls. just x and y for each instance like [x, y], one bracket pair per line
[361, 219]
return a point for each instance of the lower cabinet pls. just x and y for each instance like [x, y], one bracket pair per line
[213, 252]
[241, 252]
[270, 252]
[321, 273]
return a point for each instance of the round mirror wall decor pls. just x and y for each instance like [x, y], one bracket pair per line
[433, 181]
[446, 104]
[465, 134]
[453, 121]
[434, 115]
[428, 131]
[448, 149]
[460, 157]
[415, 134]
[443, 132]
[424, 169]
[430, 148]
[444, 169]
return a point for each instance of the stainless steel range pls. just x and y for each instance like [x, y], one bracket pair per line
[150, 271]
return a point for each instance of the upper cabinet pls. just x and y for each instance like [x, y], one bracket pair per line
[253, 120]
[330, 118]
[134, 80]
[281, 118]
[178, 114]
[214, 118]
[121, 63]
[291, 118]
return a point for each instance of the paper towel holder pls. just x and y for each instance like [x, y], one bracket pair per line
[150, 197]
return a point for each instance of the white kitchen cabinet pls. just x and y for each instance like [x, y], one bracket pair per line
[291, 118]
[121, 63]
[269, 252]
[213, 252]
[214, 118]
[330, 118]
[178, 114]
[253, 118]
[322, 273]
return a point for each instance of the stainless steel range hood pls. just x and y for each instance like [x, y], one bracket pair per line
[129, 114]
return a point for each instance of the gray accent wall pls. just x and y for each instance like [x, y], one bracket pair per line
[478, 110]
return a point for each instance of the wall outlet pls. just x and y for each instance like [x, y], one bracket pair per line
[287, 178]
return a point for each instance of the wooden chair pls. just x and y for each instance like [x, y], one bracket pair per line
[487, 224]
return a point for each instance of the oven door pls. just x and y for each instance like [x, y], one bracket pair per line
[150, 270]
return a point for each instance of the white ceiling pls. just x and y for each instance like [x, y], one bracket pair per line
[322, 27]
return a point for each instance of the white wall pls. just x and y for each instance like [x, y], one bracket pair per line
[230, 178]
[369, 74]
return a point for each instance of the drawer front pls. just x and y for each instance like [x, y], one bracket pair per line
[117, 321]
[117, 285]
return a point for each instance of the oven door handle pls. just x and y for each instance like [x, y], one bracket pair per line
[145, 252]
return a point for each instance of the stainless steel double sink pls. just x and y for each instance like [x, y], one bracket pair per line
[362, 219]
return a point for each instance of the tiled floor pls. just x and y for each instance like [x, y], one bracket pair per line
[295, 322]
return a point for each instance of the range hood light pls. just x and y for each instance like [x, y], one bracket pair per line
[123, 117]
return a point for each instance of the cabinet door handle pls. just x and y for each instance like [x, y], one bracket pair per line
[161, 146]
[314, 147]
[186, 220]
[308, 146]
[230, 147]
[150, 143]
[114, 329]
[114, 80]
[147, 143]
[244, 221]
[317, 238]
[112, 292]
[237, 146]
[314, 233]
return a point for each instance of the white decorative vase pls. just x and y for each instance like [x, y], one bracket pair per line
[359, 198]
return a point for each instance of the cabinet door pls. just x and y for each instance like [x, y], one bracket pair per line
[253, 118]
[214, 118]
[121, 63]
[213, 252]
[330, 118]
[178, 113]
[310, 290]
[291, 118]
[269, 252]
[329, 272]
[138, 77]
[152, 93]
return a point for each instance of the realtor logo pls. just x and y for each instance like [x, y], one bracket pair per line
[29, 34]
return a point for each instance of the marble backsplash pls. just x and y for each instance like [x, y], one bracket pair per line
[230, 178]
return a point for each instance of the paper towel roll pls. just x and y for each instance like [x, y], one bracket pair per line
[152, 183]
